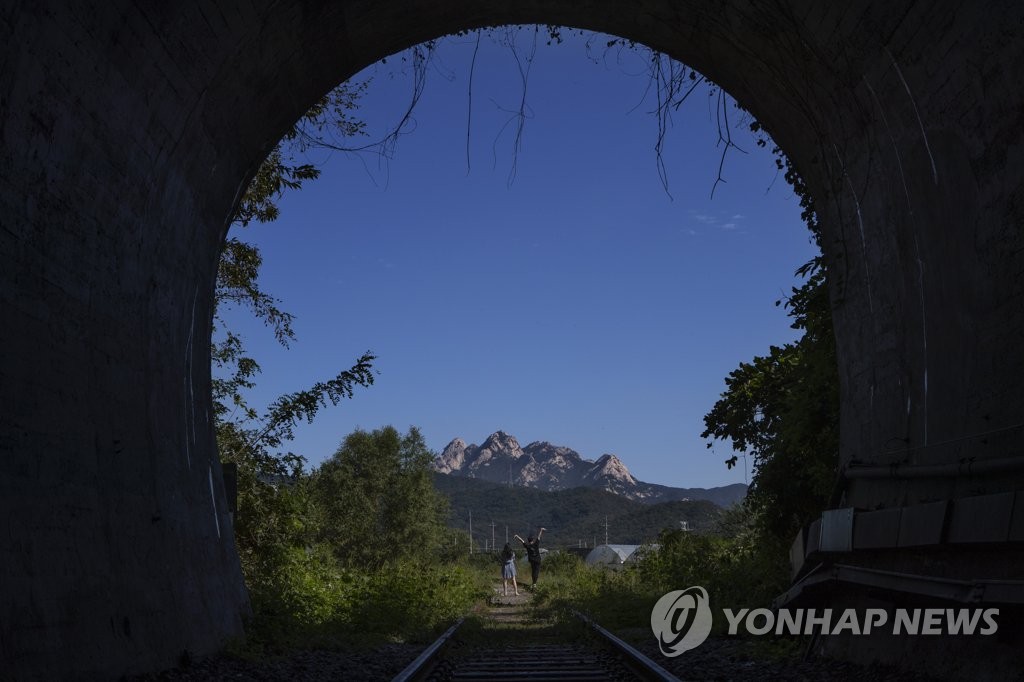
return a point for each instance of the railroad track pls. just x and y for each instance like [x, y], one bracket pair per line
[538, 654]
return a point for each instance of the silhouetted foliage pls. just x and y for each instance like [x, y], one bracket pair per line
[783, 408]
[276, 523]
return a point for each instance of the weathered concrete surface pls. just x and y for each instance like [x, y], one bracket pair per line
[129, 128]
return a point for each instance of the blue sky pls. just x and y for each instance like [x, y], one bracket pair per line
[578, 304]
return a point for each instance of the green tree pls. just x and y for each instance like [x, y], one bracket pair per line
[275, 518]
[238, 285]
[783, 408]
[239, 266]
[378, 500]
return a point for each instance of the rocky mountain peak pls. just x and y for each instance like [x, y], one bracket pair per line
[609, 466]
[495, 460]
[500, 459]
[452, 457]
[499, 441]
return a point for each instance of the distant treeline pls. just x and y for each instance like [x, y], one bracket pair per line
[570, 516]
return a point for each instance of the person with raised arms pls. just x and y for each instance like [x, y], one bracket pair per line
[532, 545]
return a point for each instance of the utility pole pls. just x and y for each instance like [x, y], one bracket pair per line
[606, 529]
[470, 532]
[492, 535]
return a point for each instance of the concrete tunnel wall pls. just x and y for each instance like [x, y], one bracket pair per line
[130, 129]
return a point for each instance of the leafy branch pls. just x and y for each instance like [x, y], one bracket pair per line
[289, 409]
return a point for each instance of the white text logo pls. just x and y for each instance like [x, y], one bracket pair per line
[850, 621]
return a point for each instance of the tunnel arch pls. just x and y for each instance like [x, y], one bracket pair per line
[130, 130]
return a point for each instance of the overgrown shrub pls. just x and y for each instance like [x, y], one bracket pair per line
[739, 565]
[353, 552]
[314, 602]
[411, 601]
[306, 600]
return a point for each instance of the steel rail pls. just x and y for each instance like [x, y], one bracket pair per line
[568, 661]
[641, 663]
[429, 655]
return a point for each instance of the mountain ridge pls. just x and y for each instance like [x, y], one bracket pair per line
[577, 517]
[545, 466]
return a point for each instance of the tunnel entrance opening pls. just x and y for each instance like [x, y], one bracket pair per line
[590, 199]
[438, 325]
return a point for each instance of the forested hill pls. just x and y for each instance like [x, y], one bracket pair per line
[570, 516]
